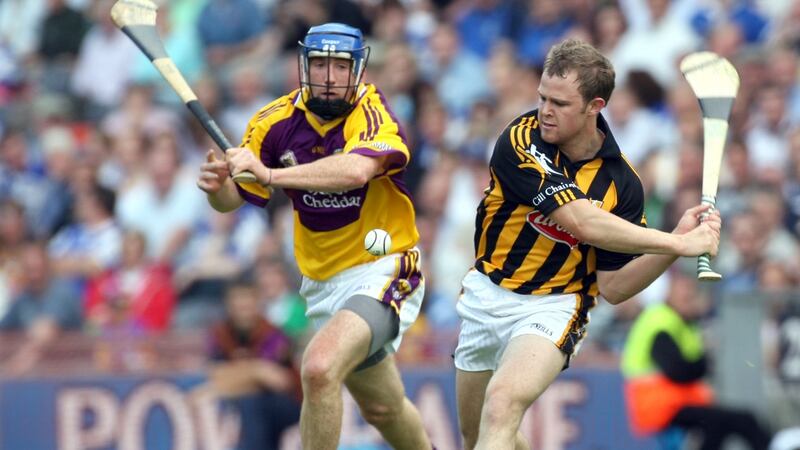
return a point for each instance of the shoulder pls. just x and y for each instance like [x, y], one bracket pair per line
[524, 123]
[276, 110]
[625, 174]
[370, 95]
[523, 138]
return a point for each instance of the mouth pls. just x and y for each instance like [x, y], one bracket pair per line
[328, 95]
[547, 126]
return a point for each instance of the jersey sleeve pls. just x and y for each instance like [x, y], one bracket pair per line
[527, 175]
[254, 139]
[630, 208]
[372, 130]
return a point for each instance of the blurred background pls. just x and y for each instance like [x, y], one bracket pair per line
[115, 273]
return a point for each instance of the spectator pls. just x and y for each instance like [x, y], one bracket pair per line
[20, 23]
[459, 76]
[43, 307]
[398, 77]
[229, 29]
[246, 96]
[742, 253]
[183, 46]
[163, 204]
[138, 113]
[62, 32]
[13, 236]
[483, 23]
[104, 46]
[253, 367]
[767, 137]
[514, 86]
[21, 174]
[93, 243]
[218, 250]
[123, 165]
[60, 152]
[545, 24]
[283, 305]
[637, 129]
[136, 294]
[782, 66]
[664, 362]
[668, 32]
[607, 27]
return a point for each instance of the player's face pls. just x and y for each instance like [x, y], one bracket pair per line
[562, 111]
[329, 77]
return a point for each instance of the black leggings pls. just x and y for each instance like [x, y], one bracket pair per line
[717, 423]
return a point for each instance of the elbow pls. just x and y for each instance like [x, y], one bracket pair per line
[583, 232]
[613, 298]
[356, 179]
[359, 179]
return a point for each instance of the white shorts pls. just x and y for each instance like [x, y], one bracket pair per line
[491, 316]
[395, 280]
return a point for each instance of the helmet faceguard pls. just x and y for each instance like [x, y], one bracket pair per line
[332, 41]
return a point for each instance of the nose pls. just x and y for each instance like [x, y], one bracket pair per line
[332, 74]
[544, 108]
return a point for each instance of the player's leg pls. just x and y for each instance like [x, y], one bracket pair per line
[334, 351]
[529, 364]
[470, 391]
[378, 391]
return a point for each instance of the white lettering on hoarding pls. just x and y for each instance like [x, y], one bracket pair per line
[195, 423]
[71, 405]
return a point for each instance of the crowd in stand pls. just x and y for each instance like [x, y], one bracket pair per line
[103, 230]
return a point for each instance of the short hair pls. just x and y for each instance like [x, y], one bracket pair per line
[595, 74]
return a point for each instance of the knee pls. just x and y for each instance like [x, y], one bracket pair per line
[317, 374]
[501, 405]
[379, 414]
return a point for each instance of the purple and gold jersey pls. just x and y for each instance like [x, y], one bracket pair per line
[330, 227]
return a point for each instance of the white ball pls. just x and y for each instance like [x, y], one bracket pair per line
[378, 242]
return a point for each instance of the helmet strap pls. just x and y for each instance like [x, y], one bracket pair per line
[328, 109]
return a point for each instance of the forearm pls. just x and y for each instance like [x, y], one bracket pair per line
[633, 277]
[612, 233]
[336, 173]
[274, 377]
[70, 266]
[174, 244]
[227, 198]
[233, 379]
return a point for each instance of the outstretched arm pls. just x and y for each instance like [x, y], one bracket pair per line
[619, 285]
[602, 229]
[335, 173]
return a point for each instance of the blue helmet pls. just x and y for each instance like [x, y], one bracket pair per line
[332, 40]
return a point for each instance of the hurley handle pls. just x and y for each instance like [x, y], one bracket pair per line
[704, 271]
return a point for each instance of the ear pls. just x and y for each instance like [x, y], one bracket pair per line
[595, 105]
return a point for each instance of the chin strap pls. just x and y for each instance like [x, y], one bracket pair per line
[328, 109]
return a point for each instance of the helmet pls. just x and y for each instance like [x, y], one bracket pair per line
[332, 40]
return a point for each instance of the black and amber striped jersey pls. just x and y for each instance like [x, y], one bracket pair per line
[517, 245]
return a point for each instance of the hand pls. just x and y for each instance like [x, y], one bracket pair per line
[701, 240]
[213, 174]
[691, 219]
[242, 159]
